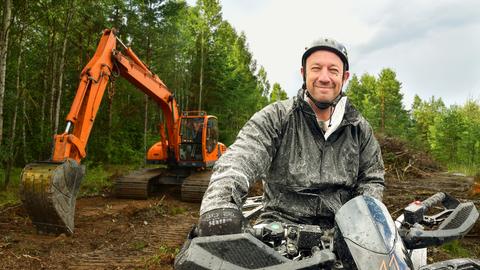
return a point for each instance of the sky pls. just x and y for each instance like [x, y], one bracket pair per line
[432, 45]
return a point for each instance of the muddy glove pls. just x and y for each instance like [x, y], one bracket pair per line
[220, 221]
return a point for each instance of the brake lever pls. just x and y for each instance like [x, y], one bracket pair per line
[432, 220]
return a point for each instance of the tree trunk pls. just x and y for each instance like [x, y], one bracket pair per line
[145, 130]
[42, 116]
[24, 133]
[111, 93]
[201, 73]
[7, 14]
[53, 82]
[61, 68]
[145, 123]
[11, 148]
[382, 111]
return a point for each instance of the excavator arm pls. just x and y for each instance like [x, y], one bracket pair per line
[93, 82]
[49, 188]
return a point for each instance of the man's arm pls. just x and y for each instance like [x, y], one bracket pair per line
[246, 160]
[371, 169]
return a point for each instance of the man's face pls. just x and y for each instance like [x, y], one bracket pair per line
[324, 75]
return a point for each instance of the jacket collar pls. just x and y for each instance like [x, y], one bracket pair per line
[350, 117]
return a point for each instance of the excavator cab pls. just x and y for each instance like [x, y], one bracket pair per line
[198, 140]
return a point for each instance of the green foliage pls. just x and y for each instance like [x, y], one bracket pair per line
[363, 95]
[423, 116]
[380, 102]
[163, 255]
[95, 181]
[456, 250]
[139, 245]
[277, 93]
[173, 211]
[470, 170]
[10, 196]
[393, 117]
[452, 134]
[263, 83]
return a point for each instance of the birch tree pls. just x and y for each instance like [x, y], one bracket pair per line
[7, 14]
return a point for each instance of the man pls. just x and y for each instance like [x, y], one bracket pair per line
[197, 139]
[314, 152]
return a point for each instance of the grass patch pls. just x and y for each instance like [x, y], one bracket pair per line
[99, 178]
[163, 255]
[9, 197]
[160, 209]
[455, 249]
[11, 194]
[96, 180]
[139, 245]
[465, 169]
[173, 211]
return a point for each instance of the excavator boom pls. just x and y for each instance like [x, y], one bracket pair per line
[49, 189]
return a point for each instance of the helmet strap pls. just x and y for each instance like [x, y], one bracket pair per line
[322, 105]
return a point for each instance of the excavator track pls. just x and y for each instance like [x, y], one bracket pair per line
[195, 185]
[143, 183]
[138, 184]
[48, 192]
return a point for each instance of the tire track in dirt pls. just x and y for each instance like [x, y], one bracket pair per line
[149, 232]
[110, 234]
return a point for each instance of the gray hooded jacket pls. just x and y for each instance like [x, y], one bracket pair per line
[306, 178]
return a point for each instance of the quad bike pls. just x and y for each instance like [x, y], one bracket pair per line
[364, 237]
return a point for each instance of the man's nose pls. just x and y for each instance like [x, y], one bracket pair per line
[324, 76]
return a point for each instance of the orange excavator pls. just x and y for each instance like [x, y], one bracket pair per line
[189, 147]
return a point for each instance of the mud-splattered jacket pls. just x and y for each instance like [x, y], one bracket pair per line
[306, 178]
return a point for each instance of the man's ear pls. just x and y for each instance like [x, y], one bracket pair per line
[302, 71]
[346, 75]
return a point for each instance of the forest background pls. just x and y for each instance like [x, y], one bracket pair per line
[203, 60]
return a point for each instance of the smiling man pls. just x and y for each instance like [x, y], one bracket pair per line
[314, 152]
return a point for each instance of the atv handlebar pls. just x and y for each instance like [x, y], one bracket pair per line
[434, 199]
[453, 222]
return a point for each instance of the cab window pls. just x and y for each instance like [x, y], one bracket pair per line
[212, 134]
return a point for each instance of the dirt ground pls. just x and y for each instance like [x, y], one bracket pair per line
[109, 233]
[115, 233]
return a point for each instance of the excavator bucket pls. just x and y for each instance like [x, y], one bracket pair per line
[49, 192]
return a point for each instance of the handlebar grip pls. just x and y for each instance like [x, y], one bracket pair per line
[434, 199]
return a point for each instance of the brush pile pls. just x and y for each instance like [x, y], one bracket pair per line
[403, 161]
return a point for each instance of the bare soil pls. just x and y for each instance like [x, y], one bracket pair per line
[115, 233]
[109, 233]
